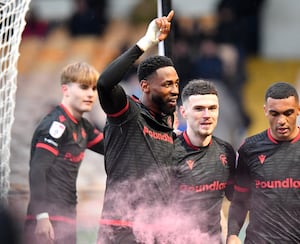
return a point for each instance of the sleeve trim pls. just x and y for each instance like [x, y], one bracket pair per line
[47, 147]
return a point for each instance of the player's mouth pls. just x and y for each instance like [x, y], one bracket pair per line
[205, 125]
[88, 102]
[173, 102]
[282, 130]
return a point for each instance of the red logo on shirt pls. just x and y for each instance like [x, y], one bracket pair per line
[262, 158]
[74, 158]
[223, 159]
[190, 163]
[214, 186]
[157, 135]
[270, 184]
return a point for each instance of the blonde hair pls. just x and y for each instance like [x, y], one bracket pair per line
[79, 72]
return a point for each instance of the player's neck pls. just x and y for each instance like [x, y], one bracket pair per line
[198, 140]
[77, 115]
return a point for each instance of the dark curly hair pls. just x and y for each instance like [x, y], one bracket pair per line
[151, 64]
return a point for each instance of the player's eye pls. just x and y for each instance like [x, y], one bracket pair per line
[288, 112]
[274, 114]
[84, 87]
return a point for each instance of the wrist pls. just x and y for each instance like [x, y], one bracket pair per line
[144, 43]
[150, 38]
[42, 216]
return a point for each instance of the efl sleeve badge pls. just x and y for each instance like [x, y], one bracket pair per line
[57, 129]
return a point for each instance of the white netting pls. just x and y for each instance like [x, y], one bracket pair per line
[12, 23]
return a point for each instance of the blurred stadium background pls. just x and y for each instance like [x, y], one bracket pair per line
[49, 43]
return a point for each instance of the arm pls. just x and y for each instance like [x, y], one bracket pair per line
[95, 138]
[237, 214]
[112, 97]
[40, 162]
[97, 144]
[240, 203]
[44, 152]
[231, 160]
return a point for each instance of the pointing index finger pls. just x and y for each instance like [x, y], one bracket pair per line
[170, 15]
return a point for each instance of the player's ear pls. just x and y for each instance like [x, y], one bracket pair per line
[182, 111]
[265, 110]
[145, 86]
[64, 89]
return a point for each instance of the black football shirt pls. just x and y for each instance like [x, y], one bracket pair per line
[268, 184]
[57, 150]
[203, 176]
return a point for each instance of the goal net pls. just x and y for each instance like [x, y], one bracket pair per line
[12, 23]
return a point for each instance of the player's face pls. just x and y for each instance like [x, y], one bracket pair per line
[282, 116]
[201, 113]
[80, 97]
[162, 90]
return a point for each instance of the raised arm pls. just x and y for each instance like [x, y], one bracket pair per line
[112, 97]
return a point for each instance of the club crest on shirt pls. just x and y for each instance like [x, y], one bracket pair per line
[57, 129]
[223, 159]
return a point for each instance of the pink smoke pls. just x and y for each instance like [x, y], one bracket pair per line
[157, 222]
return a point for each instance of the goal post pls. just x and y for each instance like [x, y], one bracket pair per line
[165, 47]
[12, 23]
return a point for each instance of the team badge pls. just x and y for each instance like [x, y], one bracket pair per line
[57, 129]
[223, 159]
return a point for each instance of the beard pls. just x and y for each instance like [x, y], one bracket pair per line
[163, 106]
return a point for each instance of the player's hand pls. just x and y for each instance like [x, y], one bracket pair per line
[158, 30]
[164, 25]
[44, 231]
[233, 239]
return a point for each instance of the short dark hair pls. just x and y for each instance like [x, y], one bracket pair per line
[281, 90]
[198, 87]
[151, 64]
